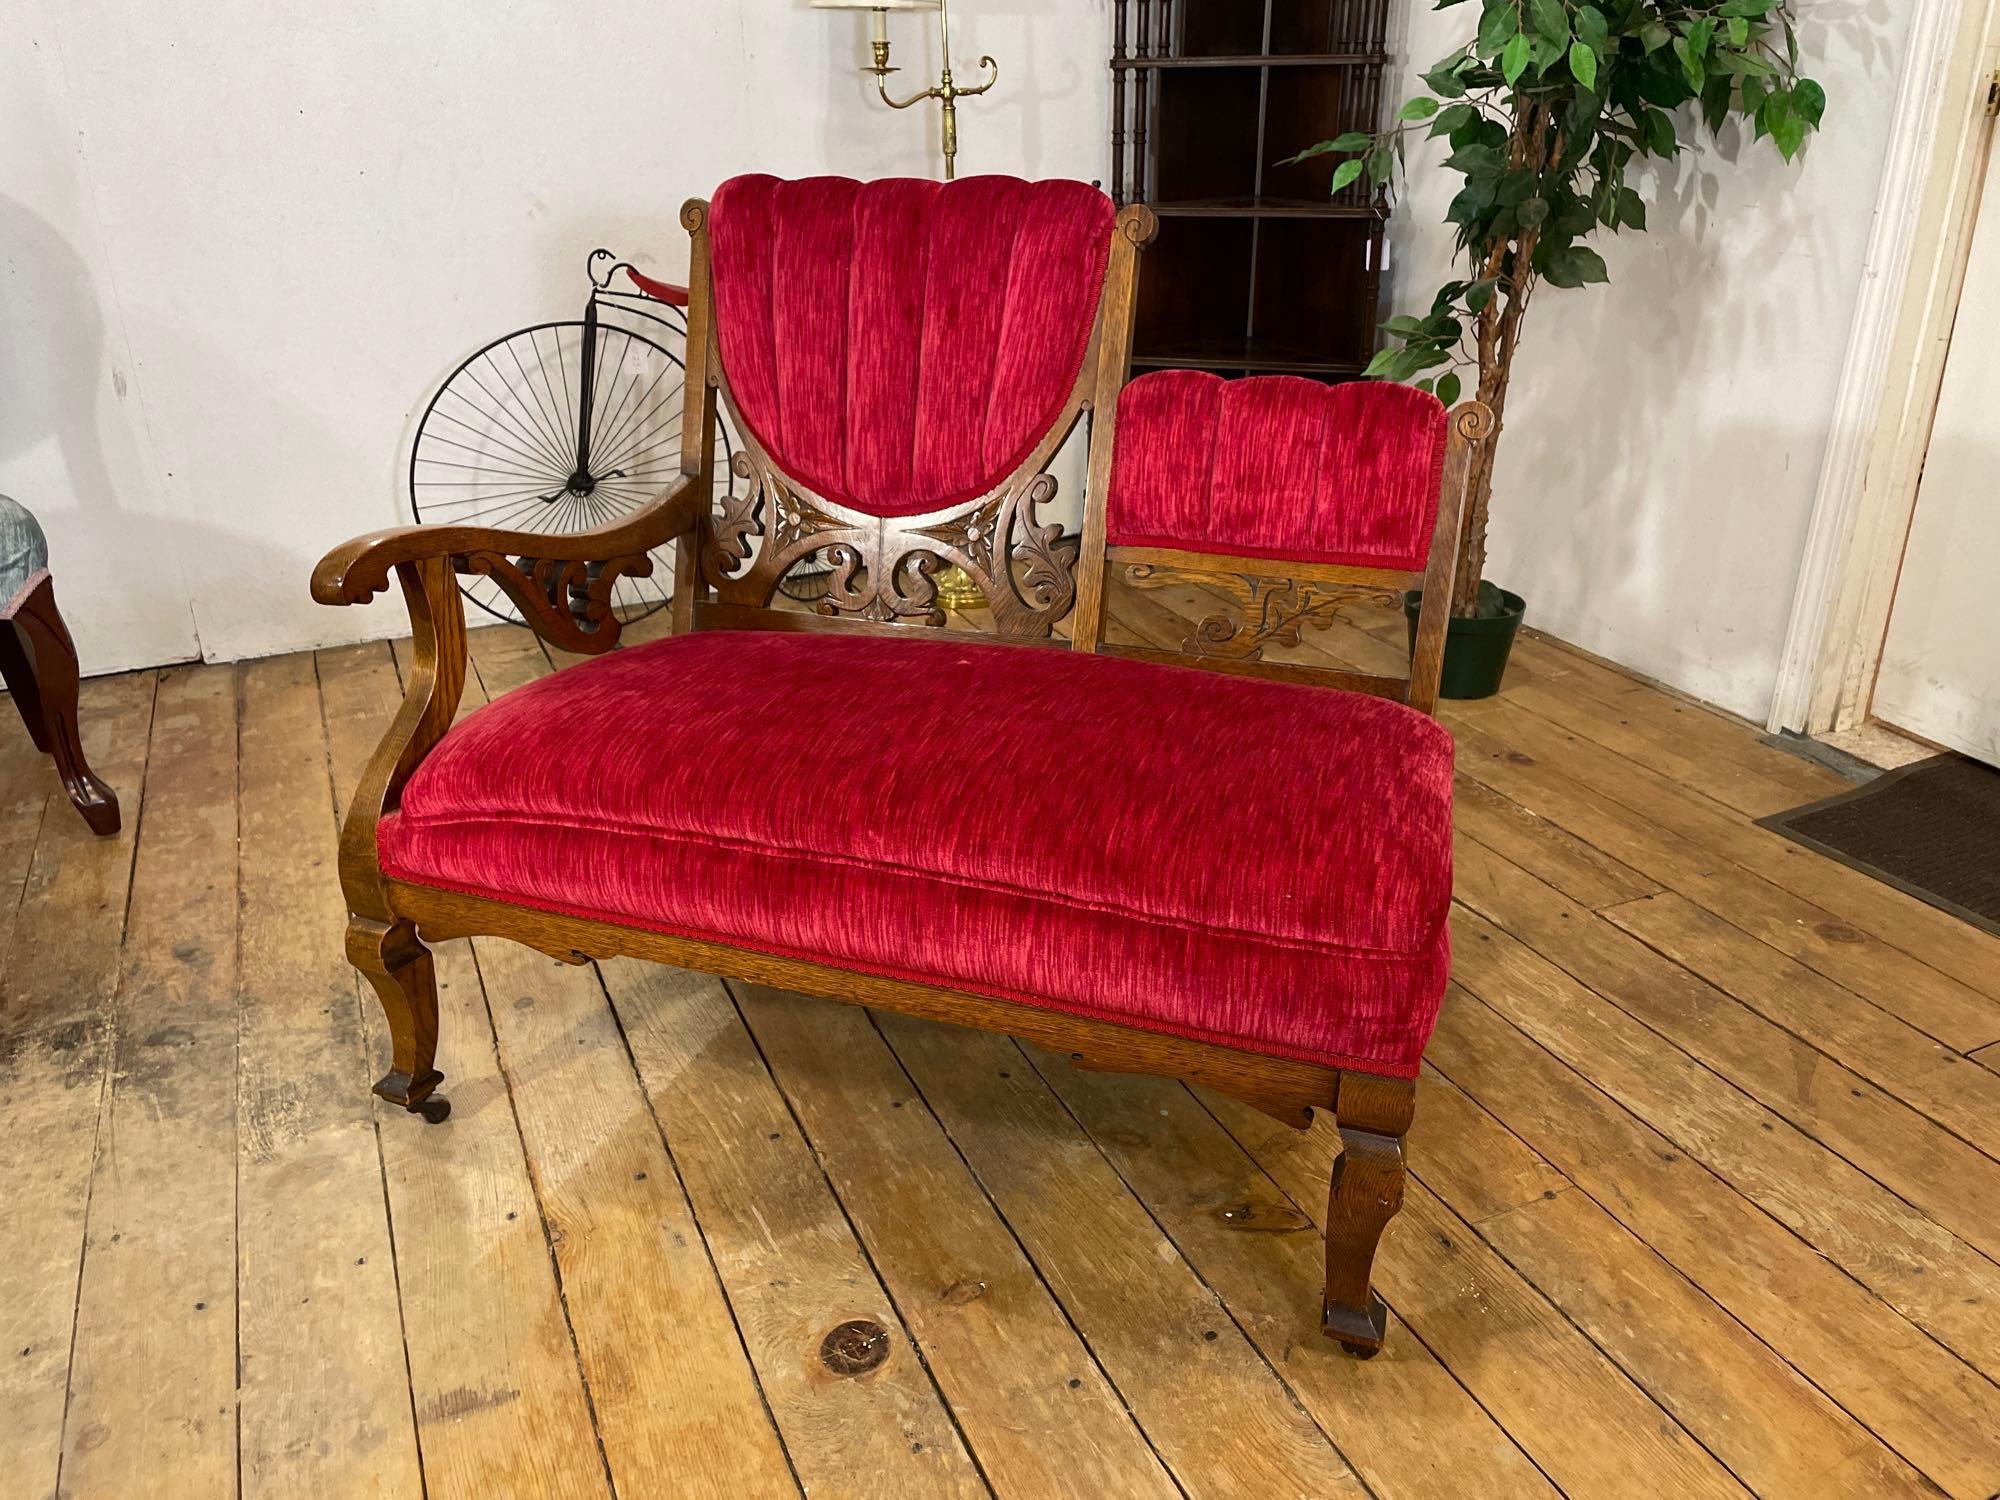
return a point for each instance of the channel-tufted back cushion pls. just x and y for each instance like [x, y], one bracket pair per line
[1278, 466]
[900, 346]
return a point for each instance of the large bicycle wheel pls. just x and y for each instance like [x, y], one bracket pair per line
[557, 428]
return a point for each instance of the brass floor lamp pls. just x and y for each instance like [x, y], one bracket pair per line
[955, 591]
[946, 90]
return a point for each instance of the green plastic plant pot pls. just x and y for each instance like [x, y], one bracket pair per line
[1475, 651]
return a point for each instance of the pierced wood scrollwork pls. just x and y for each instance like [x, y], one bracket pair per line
[1272, 610]
[568, 603]
[885, 569]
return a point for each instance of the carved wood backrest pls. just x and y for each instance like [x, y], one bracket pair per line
[825, 479]
[1292, 498]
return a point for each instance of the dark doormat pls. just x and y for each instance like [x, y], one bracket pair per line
[1931, 829]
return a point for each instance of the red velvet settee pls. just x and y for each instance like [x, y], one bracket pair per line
[1236, 876]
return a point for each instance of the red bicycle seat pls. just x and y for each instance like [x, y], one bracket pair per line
[659, 291]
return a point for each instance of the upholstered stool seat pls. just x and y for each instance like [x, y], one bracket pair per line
[1255, 863]
[24, 551]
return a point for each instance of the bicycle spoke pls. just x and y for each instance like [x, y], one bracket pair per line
[625, 428]
[508, 448]
[499, 412]
[530, 418]
[513, 348]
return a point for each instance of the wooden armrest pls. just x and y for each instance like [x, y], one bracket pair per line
[356, 571]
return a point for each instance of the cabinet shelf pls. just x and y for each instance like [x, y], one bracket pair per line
[1260, 60]
[1258, 266]
[1267, 208]
[1251, 355]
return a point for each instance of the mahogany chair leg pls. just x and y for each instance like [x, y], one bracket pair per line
[1374, 1114]
[19, 675]
[39, 661]
[399, 966]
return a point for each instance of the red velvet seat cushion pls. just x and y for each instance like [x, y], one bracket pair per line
[1255, 863]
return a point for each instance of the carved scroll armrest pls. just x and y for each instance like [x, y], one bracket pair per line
[561, 583]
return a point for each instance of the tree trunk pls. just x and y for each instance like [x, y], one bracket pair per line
[1494, 375]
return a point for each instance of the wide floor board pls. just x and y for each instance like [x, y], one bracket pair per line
[1706, 1197]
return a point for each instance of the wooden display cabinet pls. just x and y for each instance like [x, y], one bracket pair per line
[1258, 267]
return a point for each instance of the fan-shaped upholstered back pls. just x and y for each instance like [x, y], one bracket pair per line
[1278, 467]
[901, 346]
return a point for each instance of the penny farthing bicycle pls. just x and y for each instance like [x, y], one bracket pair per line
[565, 426]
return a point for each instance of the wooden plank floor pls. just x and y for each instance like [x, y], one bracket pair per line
[1706, 1198]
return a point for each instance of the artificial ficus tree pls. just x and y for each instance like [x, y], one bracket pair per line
[1545, 108]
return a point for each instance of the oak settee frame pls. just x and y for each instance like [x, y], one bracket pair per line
[883, 582]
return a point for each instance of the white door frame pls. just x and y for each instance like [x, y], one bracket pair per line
[1894, 367]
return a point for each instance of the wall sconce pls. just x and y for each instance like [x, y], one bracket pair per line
[945, 91]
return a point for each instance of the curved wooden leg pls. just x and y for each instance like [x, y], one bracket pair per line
[399, 967]
[1373, 1114]
[49, 666]
[19, 675]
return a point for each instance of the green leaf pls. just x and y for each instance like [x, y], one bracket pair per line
[1653, 35]
[1578, 265]
[1631, 209]
[1592, 28]
[1420, 108]
[1788, 129]
[1659, 129]
[1354, 140]
[1345, 173]
[1454, 118]
[1776, 106]
[1691, 67]
[1743, 65]
[1739, 31]
[1472, 202]
[1514, 58]
[1448, 388]
[1477, 161]
[1583, 64]
[1404, 326]
[1532, 213]
[1715, 101]
[1747, 8]
[1750, 99]
[1443, 80]
[1550, 19]
[1497, 26]
[1809, 99]
[1479, 296]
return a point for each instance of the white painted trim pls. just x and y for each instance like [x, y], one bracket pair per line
[1909, 280]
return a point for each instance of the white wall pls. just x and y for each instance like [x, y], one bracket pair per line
[1665, 432]
[243, 240]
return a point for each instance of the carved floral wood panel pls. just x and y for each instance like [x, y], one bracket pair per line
[1272, 611]
[885, 569]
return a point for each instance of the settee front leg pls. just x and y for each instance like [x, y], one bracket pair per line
[399, 966]
[1373, 1114]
